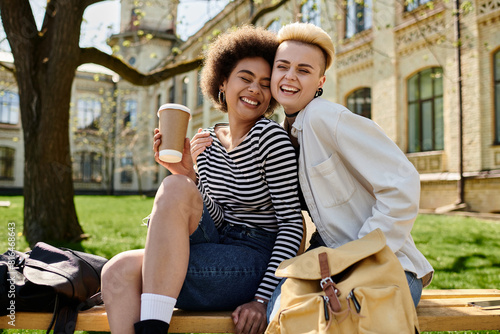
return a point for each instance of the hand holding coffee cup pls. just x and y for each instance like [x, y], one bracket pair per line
[174, 119]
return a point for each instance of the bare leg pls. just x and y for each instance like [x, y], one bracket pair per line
[176, 212]
[121, 290]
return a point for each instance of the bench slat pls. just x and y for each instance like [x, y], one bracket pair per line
[457, 319]
[459, 293]
[439, 310]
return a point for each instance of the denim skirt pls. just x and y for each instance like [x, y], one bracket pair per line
[225, 266]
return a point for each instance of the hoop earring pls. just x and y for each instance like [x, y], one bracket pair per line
[319, 92]
[222, 97]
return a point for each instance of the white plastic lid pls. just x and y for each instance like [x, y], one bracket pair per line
[174, 106]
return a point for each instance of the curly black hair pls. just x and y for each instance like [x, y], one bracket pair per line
[227, 50]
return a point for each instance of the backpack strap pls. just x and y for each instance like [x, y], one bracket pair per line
[327, 284]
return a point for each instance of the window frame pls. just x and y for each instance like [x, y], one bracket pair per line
[417, 107]
[366, 94]
[362, 16]
[129, 117]
[9, 105]
[7, 161]
[185, 83]
[90, 167]
[127, 165]
[496, 92]
[410, 6]
[89, 108]
[307, 8]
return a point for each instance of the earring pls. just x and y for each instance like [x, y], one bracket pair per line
[319, 92]
[222, 97]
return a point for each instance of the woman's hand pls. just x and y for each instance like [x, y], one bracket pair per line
[184, 167]
[250, 318]
[199, 143]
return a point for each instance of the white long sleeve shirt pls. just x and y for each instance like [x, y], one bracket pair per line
[355, 179]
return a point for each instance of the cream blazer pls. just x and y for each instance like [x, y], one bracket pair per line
[355, 179]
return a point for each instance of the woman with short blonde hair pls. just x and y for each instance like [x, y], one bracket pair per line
[353, 177]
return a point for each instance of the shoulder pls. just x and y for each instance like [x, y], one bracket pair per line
[325, 106]
[323, 110]
[264, 127]
[270, 137]
[321, 114]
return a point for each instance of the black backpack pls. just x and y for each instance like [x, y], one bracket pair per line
[50, 279]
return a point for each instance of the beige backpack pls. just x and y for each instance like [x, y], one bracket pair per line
[359, 287]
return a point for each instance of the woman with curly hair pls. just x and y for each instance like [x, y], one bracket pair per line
[217, 233]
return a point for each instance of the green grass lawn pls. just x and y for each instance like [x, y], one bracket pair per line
[465, 252]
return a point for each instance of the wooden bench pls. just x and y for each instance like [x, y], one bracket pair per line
[439, 310]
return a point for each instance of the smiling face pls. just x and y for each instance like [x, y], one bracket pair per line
[297, 74]
[247, 89]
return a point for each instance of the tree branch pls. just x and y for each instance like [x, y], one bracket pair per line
[266, 10]
[8, 68]
[93, 55]
[87, 3]
[130, 74]
[19, 24]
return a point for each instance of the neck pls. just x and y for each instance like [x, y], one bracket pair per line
[291, 115]
[236, 133]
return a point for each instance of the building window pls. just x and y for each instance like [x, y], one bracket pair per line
[310, 12]
[89, 111]
[360, 102]
[9, 107]
[87, 167]
[126, 165]
[497, 97]
[199, 100]
[275, 25]
[358, 16]
[425, 111]
[413, 4]
[130, 114]
[7, 163]
[171, 92]
[185, 83]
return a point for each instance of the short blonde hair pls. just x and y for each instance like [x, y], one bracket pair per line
[308, 33]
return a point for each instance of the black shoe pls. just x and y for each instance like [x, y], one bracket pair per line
[151, 327]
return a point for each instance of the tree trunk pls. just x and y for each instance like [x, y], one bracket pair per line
[45, 66]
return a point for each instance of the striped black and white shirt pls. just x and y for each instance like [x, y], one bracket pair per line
[255, 185]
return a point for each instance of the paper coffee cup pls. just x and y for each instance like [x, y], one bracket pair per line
[174, 119]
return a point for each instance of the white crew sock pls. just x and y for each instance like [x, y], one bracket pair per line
[157, 307]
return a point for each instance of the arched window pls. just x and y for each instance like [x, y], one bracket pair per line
[7, 163]
[425, 111]
[9, 107]
[360, 102]
[496, 63]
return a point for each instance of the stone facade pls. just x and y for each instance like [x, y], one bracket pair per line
[393, 45]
